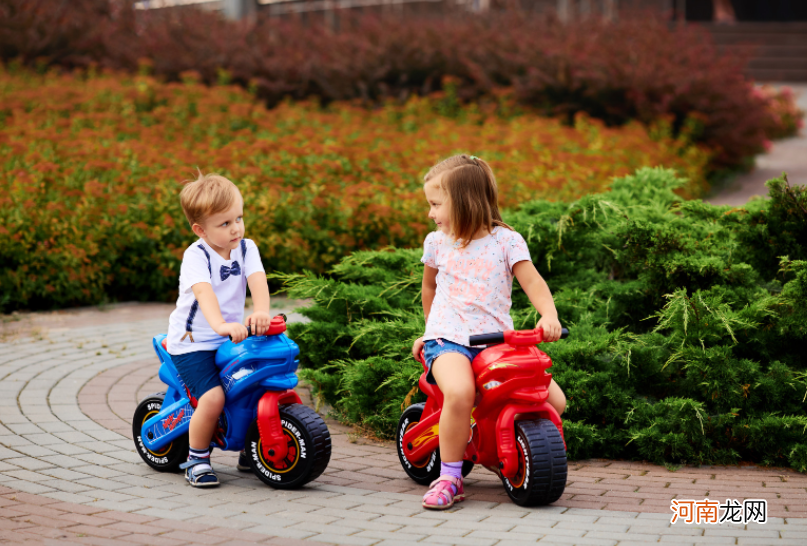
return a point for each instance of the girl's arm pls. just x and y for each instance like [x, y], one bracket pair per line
[429, 288]
[259, 289]
[541, 298]
[209, 304]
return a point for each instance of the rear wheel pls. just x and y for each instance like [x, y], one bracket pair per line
[426, 471]
[309, 443]
[542, 468]
[171, 456]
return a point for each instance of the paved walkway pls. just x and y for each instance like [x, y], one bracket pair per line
[788, 155]
[69, 474]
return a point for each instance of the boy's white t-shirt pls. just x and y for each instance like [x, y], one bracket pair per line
[188, 330]
[474, 284]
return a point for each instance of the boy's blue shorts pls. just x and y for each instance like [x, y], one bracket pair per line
[198, 370]
[436, 347]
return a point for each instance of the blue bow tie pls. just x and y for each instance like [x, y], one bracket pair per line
[235, 270]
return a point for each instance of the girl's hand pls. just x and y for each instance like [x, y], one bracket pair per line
[259, 322]
[551, 327]
[417, 347]
[236, 331]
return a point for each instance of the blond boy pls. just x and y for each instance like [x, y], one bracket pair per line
[216, 270]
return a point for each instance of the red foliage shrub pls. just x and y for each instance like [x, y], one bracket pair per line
[631, 69]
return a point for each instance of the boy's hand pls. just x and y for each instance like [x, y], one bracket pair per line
[259, 322]
[551, 327]
[417, 347]
[238, 332]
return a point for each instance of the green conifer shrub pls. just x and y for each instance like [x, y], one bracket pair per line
[688, 321]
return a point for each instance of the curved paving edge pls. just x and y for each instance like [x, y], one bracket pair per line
[66, 466]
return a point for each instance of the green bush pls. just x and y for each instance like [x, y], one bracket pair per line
[688, 324]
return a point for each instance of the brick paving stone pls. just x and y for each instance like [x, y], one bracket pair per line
[339, 539]
[152, 540]
[459, 541]
[382, 535]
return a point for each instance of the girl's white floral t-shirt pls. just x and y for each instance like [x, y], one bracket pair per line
[473, 284]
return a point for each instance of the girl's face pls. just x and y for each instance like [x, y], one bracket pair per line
[438, 205]
[223, 231]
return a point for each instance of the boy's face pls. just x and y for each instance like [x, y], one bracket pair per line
[223, 231]
[438, 205]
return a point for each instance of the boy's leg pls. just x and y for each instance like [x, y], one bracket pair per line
[201, 376]
[205, 418]
[556, 397]
[203, 425]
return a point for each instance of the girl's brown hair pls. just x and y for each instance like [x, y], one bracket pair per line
[472, 194]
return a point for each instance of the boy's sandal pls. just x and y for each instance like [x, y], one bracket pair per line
[441, 494]
[198, 477]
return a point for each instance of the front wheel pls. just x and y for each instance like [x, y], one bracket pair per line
[309, 444]
[542, 468]
[168, 458]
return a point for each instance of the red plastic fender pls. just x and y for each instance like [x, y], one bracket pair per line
[273, 442]
[506, 433]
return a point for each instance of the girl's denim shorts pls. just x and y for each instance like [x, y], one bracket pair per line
[436, 347]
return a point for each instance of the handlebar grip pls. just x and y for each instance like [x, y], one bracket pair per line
[564, 333]
[249, 332]
[487, 339]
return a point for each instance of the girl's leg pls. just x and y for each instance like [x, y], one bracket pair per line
[556, 397]
[455, 377]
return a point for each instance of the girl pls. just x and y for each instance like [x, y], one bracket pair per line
[469, 262]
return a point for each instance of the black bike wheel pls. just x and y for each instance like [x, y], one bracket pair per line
[426, 471]
[542, 467]
[309, 444]
[170, 457]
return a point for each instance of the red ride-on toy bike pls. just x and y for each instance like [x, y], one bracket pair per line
[514, 430]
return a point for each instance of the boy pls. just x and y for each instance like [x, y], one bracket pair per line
[214, 276]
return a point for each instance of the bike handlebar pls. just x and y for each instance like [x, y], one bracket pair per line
[495, 338]
[250, 333]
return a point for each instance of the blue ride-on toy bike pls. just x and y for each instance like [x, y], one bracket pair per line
[287, 444]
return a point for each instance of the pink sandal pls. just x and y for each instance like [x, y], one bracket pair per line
[441, 495]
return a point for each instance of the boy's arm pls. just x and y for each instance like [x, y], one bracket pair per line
[541, 298]
[259, 289]
[429, 287]
[209, 305]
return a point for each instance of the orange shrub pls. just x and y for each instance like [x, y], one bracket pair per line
[91, 167]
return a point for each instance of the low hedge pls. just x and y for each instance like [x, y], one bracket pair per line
[688, 322]
[632, 69]
[91, 167]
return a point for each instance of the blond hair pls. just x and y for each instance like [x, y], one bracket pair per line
[207, 195]
[473, 197]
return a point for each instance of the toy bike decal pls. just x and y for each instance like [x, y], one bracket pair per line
[287, 444]
[166, 426]
[429, 434]
[173, 420]
[230, 379]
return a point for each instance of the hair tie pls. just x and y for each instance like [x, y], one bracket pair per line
[474, 158]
